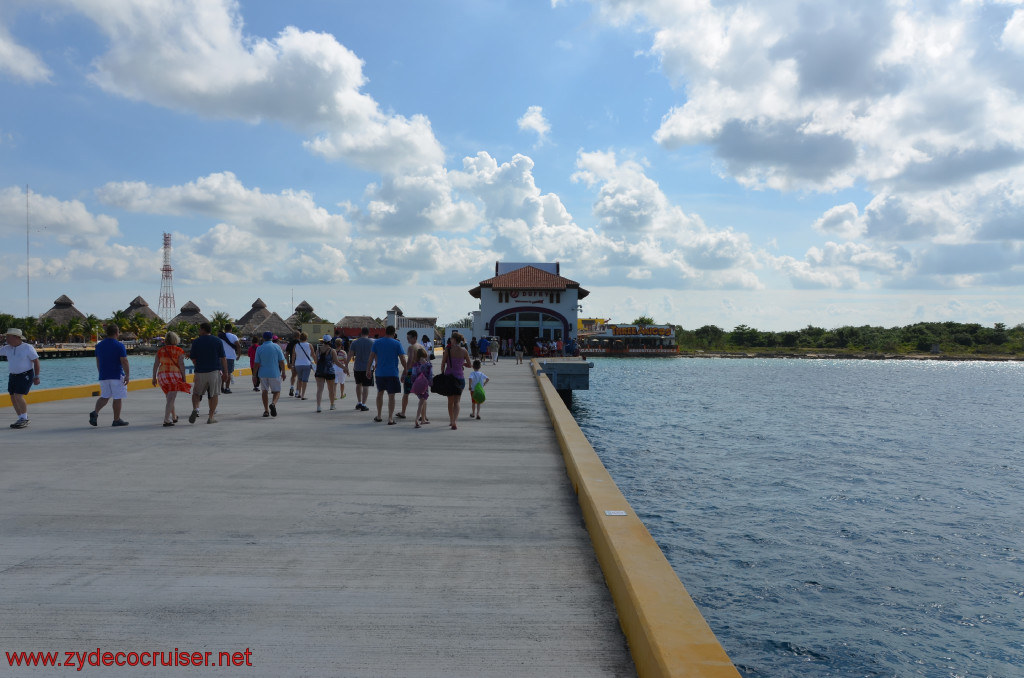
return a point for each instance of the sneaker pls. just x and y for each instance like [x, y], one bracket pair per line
[332, 407]
[266, 414]
[359, 407]
[119, 422]
[318, 410]
[273, 410]
[93, 418]
[291, 391]
[21, 423]
[211, 420]
[255, 389]
[225, 390]
[192, 417]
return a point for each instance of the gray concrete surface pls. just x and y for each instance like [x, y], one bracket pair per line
[326, 544]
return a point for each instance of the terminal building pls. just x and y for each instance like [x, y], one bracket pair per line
[527, 302]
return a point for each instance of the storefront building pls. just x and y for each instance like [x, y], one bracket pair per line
[527, 302]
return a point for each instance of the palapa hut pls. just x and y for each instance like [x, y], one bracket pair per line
[274, 324]
[63, 311]
[305, 312]
[189, 314]
[251, 318]
[351, 325]
[138, 306]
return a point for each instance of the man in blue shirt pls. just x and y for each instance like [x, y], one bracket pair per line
[384, 358]
[268, 364]
[112, 364]
[207, 354]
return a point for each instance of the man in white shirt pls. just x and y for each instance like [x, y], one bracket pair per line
[230, 352]
[23, 368]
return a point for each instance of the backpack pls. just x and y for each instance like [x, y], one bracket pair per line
[323, 364]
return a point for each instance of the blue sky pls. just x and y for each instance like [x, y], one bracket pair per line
[778, 163]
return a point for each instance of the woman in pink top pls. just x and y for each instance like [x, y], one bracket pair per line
[454, 361]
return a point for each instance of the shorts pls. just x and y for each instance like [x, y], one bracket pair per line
[390, 384]
[303, 372]
[207, 383]
[20, 383]
[461, 383]
[339, 377]
[407, 384]
[363, 378]
[231, 366]
[272, 384]
[113, 388]
[325, 377]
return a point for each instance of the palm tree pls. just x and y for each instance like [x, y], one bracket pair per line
[218, 320]
[75, 328]
[28, 325]
[121, 319]
[6, 320]
[136, 324]
[44, 329]
[93, 326]
[302, 317]
[151, 328]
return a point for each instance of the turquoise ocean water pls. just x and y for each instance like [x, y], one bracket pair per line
[79, 371]
[830, 518]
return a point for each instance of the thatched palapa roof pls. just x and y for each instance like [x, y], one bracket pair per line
[272, 323]
[359, 321]
[303, 307]
[63, 311]
[138, 306]
[258, 312]
[189, 314]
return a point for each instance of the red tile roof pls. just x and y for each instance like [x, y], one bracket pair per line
[530, 278]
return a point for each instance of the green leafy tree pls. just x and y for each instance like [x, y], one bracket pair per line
[644, 321]
[710, 336]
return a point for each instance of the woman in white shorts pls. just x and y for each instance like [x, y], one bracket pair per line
[303, 365]
[340, 367]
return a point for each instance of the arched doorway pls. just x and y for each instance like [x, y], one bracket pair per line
[529, 325]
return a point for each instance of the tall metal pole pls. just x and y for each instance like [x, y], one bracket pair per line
[28, 284]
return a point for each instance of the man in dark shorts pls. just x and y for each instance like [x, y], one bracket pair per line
[23, 369]
[384, 359]
[360, 351]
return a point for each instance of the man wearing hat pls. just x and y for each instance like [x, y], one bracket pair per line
[23, 366]
[268, 364]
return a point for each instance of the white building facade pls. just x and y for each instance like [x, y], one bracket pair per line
[527, 302]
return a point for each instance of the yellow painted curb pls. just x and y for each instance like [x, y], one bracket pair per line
[45, 395]
[666, 632]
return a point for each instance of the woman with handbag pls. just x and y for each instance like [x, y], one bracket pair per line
[453, 362]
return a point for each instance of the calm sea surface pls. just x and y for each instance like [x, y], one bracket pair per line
[830, 518]
[81, 371]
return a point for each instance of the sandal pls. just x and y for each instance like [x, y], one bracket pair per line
[417, 426]
[378, 419]
[392, 423]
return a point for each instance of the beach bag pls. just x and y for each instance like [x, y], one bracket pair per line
[444, 384]
[420, 384]
[478, 393]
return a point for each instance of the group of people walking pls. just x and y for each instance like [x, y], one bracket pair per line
[383, 363]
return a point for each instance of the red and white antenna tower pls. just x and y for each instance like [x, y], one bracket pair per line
[167, 308]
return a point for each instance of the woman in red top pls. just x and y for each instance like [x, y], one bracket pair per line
[169, 372]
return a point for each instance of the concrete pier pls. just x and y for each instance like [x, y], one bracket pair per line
[320, 544]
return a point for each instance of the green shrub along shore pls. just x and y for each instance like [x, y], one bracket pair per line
[947, 340]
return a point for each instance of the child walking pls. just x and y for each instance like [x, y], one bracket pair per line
[476, 377]
[421, 387]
